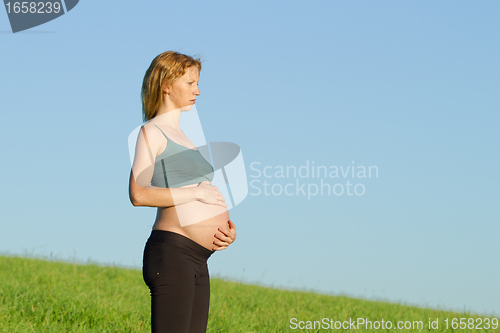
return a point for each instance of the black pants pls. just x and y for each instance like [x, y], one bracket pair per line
[175, 270]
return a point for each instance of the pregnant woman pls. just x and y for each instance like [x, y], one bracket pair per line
[192, 220]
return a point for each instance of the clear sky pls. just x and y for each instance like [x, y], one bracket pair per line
[407, 87]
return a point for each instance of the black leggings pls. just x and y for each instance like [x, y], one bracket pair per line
[175, 270]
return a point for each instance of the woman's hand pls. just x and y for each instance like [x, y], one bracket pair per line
[210, 194]
[225, 236]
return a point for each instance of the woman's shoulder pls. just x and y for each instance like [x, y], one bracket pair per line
[156, 139]
[152, 129]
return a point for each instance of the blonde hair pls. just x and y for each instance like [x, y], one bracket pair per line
[164, 70]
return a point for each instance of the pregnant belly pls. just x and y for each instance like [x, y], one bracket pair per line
[196, 220]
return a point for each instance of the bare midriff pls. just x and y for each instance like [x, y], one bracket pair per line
[198, 221]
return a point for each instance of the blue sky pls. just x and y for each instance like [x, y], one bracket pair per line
[408, 87]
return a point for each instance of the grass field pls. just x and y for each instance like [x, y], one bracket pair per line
[47, 296]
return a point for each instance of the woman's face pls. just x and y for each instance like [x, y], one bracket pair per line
[182, 94]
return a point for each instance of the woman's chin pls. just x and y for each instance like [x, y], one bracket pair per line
[186, 108]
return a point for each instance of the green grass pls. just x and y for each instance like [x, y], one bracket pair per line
[47, 296]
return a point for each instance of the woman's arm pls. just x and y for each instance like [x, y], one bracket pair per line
[152, 196]
[141, 193]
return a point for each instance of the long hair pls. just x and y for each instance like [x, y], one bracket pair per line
[164, 70]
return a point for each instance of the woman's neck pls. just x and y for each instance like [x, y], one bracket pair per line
[169, 118]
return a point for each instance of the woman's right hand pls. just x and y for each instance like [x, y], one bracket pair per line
[210, 194]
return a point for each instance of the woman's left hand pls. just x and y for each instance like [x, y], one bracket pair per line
[225, 236]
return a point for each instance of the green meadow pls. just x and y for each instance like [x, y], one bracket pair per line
[48, 296]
